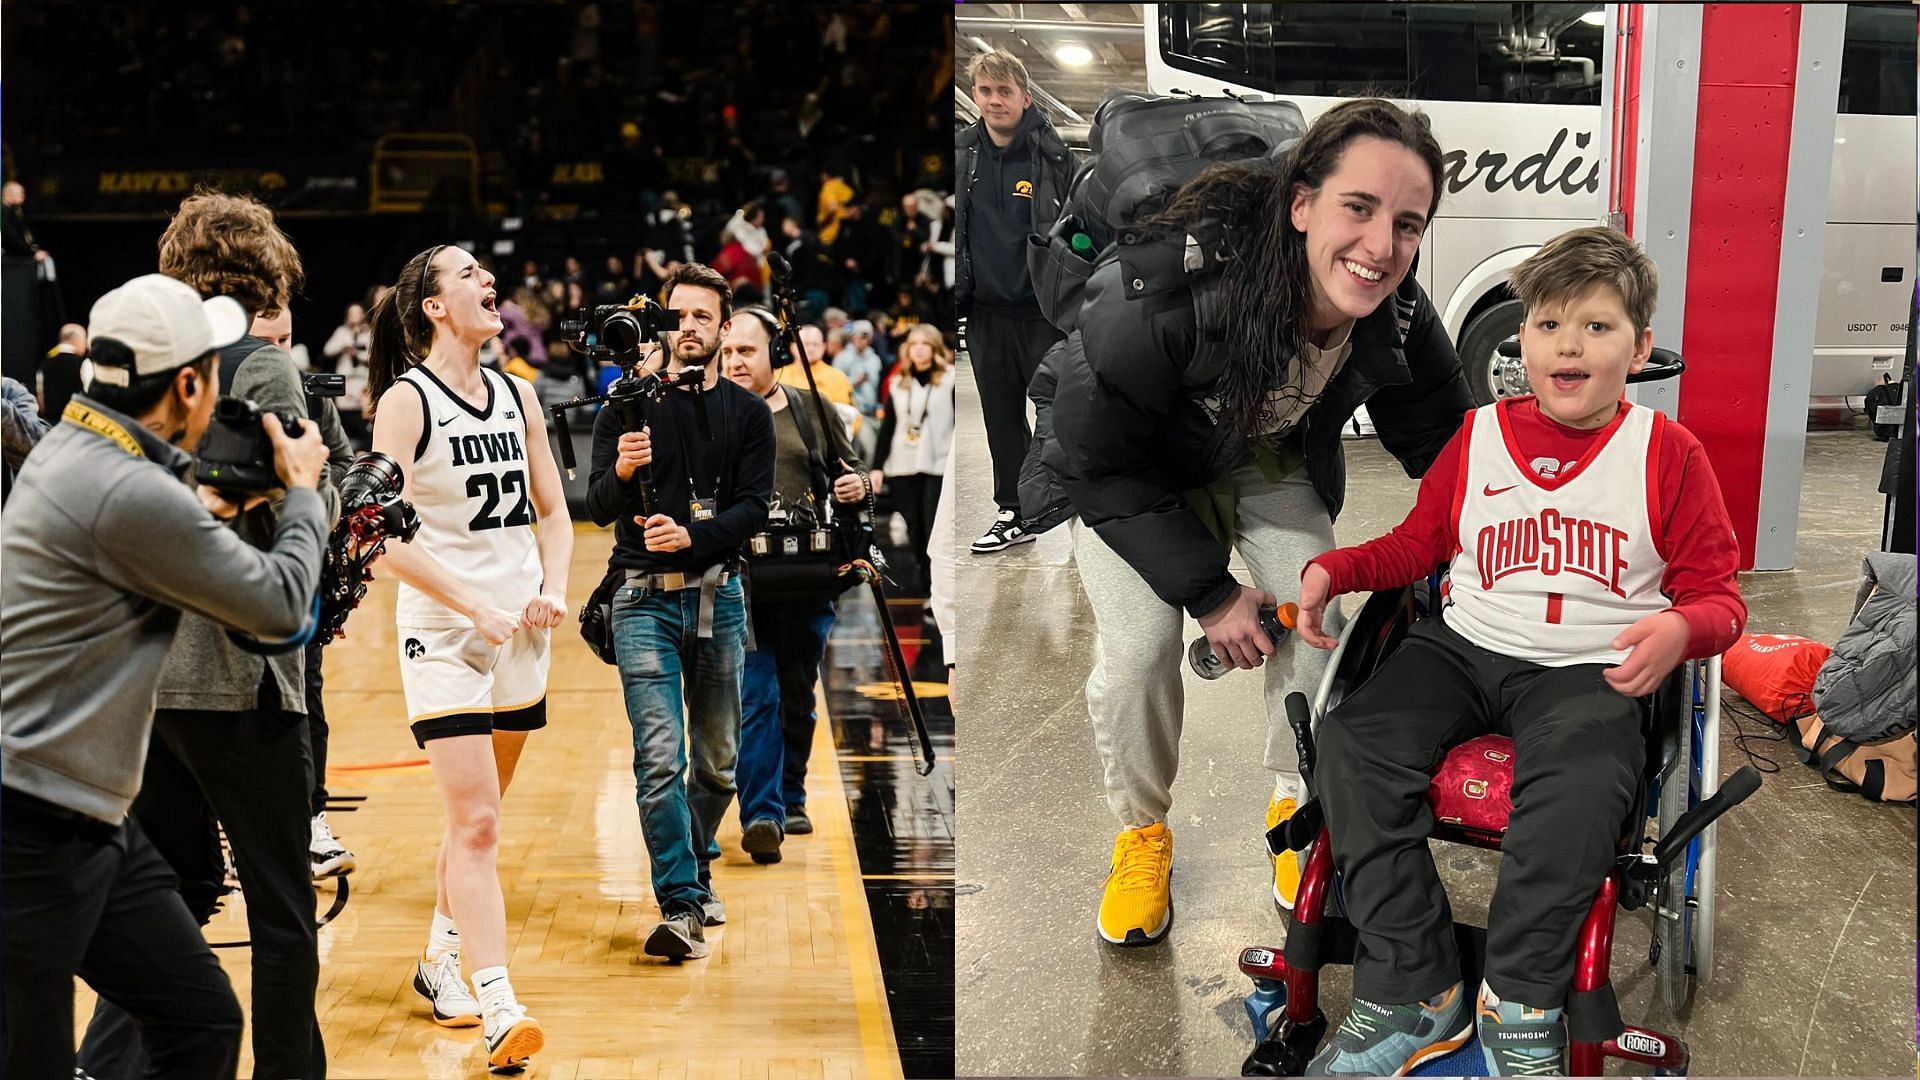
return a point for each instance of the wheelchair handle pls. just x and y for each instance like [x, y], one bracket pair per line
[1693, 822]
[1663, 364]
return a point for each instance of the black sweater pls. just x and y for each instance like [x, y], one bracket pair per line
[738, 461]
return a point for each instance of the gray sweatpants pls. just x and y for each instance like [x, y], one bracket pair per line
[1135, 695]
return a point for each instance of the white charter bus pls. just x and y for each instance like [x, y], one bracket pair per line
[1513, 91]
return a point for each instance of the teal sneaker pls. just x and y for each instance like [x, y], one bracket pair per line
[1520, 1041]
[1392, 1040]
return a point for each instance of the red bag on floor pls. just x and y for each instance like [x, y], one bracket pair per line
[1474, 785]
[1775, 672]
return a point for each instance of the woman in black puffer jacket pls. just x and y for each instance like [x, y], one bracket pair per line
[1197, 409]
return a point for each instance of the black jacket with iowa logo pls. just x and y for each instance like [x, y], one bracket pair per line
[1002, 277]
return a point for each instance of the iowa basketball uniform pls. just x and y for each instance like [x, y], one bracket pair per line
[471, 487]
[1550, 571]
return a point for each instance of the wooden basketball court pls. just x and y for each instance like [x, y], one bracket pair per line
[793, 988]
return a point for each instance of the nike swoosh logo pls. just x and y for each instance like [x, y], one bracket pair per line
[1490, 490]
[448, 420]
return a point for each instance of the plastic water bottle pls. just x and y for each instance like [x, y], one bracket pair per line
[1278, 623]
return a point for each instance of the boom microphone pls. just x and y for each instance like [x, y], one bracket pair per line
[777, 265]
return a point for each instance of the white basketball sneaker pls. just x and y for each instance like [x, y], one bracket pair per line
[440, 982]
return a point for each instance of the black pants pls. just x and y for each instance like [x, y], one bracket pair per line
[316, 728]
[1578, 750]
[916, 497]
[99, 902]
[252, 771]
[1005, 351]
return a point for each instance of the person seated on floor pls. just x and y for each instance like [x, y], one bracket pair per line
[1590, 554]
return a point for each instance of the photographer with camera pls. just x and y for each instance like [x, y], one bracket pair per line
[480, 588]
[790, 625]
[229, 734]
[679, 615]
[104, 549]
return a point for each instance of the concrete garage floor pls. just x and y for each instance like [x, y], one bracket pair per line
[1816, 918]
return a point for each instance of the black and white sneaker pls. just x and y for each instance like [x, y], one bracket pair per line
[440, 982]
[329, 859]
[1007, 530]
[678, 937]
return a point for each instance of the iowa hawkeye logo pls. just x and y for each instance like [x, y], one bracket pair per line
[1024, 189]
[1552, 545]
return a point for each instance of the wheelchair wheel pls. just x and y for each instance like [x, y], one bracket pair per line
[1671, 916]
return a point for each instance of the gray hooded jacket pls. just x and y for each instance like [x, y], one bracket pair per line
[104, 547]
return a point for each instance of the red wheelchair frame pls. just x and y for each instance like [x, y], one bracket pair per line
[1287, 981]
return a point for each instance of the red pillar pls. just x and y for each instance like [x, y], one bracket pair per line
[1748, 56]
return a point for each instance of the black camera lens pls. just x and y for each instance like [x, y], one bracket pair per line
[620, 333]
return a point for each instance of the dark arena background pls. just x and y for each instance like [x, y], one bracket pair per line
[578, 149]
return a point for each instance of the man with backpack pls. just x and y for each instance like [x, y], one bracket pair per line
[790, 622]
[1014, 171]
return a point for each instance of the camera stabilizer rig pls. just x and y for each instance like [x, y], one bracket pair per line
[371, 513]
[855, 529]
[613, 333]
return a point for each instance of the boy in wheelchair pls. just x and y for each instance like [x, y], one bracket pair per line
[1590, 554]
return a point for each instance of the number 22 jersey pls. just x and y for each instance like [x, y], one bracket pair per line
[470, 486]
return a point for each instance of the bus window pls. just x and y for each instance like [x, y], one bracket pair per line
[1877, 60]
[1533, 53]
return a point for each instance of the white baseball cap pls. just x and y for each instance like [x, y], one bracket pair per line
[164, 323]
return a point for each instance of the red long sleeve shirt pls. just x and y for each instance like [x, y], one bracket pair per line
[1694, 534]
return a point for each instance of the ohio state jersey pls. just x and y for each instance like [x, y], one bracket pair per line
[1551, 570]
[469, 483]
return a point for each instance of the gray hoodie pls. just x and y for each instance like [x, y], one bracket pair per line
[104, 547]
[206, 671]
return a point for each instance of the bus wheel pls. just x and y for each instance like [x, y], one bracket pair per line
[1491, 376]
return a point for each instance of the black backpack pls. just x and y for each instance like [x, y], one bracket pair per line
[1144, 149]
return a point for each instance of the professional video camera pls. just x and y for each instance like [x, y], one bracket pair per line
[236, 458]
[613, 333]
[792, 548]
[371, 513]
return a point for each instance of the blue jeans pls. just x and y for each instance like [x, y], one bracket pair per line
[654, 639]
[776, 708]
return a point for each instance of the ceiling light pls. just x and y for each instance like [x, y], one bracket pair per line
[1596, 17]
[1074, 55]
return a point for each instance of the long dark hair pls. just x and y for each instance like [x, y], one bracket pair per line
[1268, 287]
[399, 332]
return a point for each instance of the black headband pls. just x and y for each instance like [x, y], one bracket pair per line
[425, 265]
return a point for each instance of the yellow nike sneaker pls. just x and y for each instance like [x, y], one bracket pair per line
[1286, 866]
[1137, 907]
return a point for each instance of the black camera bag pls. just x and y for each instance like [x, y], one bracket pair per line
[806, 575]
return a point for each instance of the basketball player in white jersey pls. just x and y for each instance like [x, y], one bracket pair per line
[1590, 554]
[480, 588]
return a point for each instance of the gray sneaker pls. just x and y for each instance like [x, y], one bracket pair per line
[1520, 1041]
[1393, 1040]
[678, 937]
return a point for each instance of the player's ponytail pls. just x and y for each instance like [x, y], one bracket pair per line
[398, 329]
